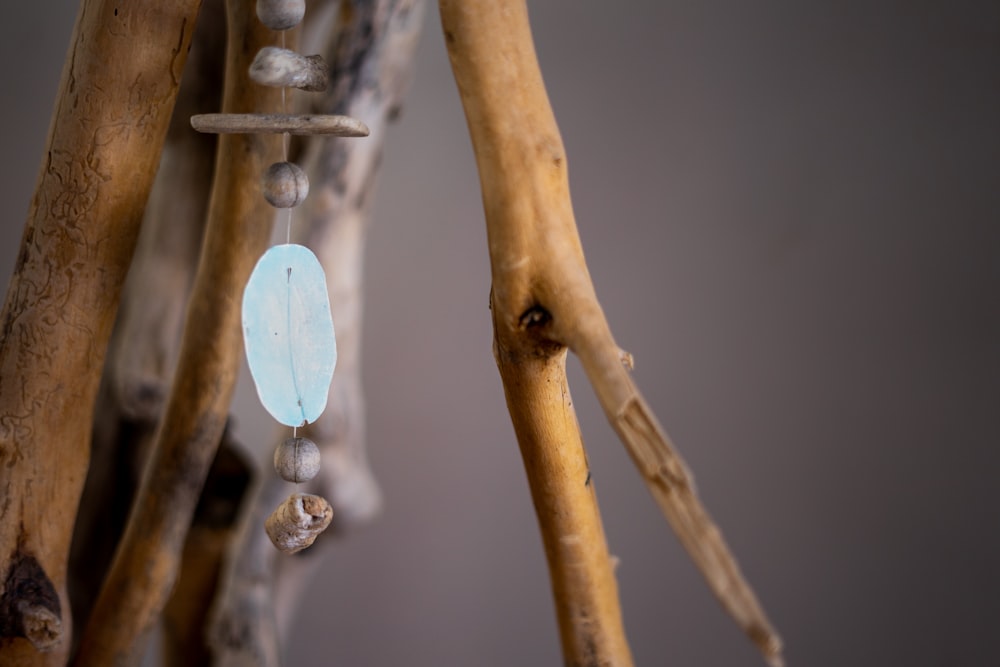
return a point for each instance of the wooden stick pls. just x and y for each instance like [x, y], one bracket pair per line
[242, 628]
[543, 299]
[252, 123]
[531, 231]
[113, 106]
[144, 345]
[145, 566]
[184, 643]
[581, 571]
[147, 335]
[378, 36]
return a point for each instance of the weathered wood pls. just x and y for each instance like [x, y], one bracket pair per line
[146, 563]
[242, 629]
[143, 348]
[543, 301]
[113, 107]
[582, 573]
[145, 344]
[252, 123]
[184, 643]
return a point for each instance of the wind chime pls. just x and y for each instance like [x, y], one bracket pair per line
[288, 330]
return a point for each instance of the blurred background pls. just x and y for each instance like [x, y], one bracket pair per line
[794, 226]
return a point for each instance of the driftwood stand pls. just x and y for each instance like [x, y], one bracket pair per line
[162, 500]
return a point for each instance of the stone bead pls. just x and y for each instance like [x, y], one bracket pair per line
[281, 14]
[285, 185]
[297, 460]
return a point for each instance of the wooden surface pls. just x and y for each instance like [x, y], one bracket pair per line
[252, 123]
[544, 301]
[538, 269]
[112, 111]
[239, 224]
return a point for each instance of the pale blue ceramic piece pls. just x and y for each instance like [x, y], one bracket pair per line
[288, 333]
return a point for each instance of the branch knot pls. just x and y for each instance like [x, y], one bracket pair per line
[534, 317]
[30, 606]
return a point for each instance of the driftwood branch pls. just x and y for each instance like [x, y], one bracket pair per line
[143, 348]
[582, 573]
[371, 56]
[147, 335]
[114, 104]
[185, 618]
[146, 563]
[543, 301]
[242, 629]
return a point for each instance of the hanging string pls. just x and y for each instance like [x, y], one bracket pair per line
[285, 137]
[296, 459]
[285, 140]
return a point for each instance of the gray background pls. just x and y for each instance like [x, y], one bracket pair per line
[793, 227]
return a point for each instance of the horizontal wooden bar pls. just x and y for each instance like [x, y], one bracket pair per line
[253, 123]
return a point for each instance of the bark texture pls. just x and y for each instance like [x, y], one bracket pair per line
[581, 570]
[147, 560]
[185, 618]
[544, 301]
[113, 108]
[144, 345]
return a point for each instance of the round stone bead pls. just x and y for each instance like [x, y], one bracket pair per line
[297, 460]
[285, 185]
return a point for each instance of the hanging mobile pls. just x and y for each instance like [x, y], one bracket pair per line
[287, 325]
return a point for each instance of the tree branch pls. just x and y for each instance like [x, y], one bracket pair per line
[185, 618]
[146, 563]
[543, 299]
[582, 573]
[114, 104]
[143, 349]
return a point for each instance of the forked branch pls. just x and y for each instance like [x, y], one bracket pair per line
[543, 298]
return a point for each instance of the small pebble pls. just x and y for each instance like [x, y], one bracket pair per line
[296, 523]
[281, 14]
[283, 68]
[297, 460]
[285, 185]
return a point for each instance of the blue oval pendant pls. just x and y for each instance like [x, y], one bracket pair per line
[288, 334]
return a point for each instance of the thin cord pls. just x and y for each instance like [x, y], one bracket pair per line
[283, 110]
[285, 139]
